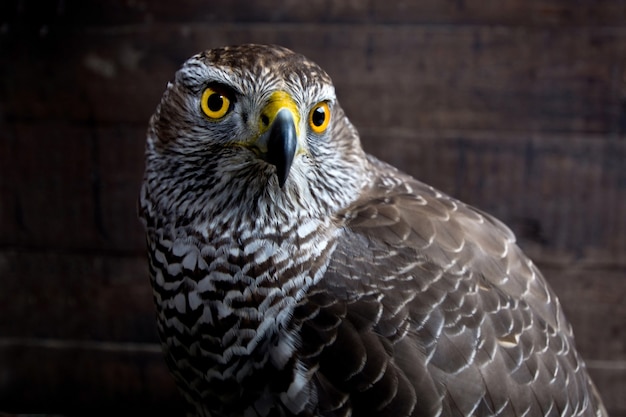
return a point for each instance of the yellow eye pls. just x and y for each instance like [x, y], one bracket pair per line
[214, 104]
[319, 117]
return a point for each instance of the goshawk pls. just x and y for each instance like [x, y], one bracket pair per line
[296, 275]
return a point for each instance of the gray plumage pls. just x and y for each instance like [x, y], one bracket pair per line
[294, 274]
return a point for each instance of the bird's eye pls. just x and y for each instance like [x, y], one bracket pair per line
[214, 103]
[319, 117]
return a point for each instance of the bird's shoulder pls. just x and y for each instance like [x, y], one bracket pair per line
[433, 308]
[404, 228]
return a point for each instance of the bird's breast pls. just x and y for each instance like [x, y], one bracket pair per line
[224, 300]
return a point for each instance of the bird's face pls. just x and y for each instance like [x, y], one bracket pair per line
[252, 128]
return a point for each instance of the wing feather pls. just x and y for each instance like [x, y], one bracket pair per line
[442, 314]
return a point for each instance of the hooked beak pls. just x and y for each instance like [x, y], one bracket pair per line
[279, 141]
[281, 144]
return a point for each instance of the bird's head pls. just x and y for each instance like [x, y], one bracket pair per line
[251, 129]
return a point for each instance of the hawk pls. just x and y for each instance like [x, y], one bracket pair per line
[296, 275]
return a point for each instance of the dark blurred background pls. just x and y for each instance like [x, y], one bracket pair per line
[515, 106]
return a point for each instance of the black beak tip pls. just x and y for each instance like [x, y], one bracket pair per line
[281, 146]
[282, 174]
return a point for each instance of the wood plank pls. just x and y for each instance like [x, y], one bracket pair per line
[481, 79]
[76, 296]
[414, 77]
[78, 336]
[610, 378]
[69, 186]
[45, 179]
[510, 12]
[96, 379]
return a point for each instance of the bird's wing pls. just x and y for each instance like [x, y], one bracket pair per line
[428, 307]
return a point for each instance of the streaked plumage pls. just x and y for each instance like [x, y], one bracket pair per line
[294, 274]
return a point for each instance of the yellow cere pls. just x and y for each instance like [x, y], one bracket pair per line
[214, 104]
[279, 100]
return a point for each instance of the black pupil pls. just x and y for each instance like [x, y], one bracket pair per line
[215, 102]
[318, 116]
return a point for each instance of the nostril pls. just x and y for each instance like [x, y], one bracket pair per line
[265, 120]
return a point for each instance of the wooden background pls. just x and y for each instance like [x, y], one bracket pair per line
[515, 106]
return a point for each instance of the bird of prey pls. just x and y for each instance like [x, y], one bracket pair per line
[296, 275]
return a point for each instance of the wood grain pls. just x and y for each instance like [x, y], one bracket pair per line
[451, 78]
[95, 379]
[557, 13]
